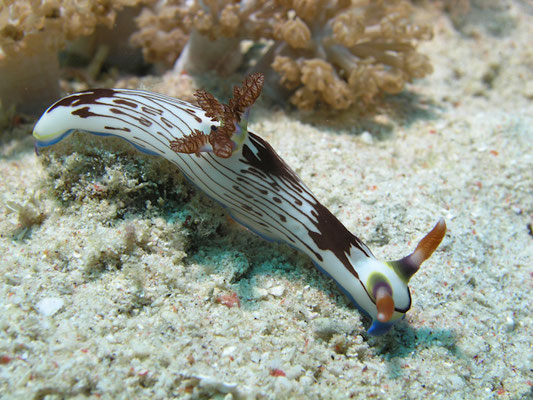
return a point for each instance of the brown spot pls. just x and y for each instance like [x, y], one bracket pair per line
[117, 111]
[277, 372]
[126, 103]
[5, 359]
[84, 113]
[228, 300]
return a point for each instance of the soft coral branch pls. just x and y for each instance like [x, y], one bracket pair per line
[31, 34]
[336, 53]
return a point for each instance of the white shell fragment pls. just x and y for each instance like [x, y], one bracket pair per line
[49, 306]
[277, 291]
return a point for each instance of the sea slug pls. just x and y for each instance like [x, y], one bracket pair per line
[212, 147]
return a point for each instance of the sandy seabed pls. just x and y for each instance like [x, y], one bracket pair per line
[120, 280]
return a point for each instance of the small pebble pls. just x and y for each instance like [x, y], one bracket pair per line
[510, 324]
[259, 293]
[229, 351]
[49, 306]
[255, 356]
[277, 291]
[367, 138]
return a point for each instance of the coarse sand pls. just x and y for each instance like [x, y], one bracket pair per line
[120, 280]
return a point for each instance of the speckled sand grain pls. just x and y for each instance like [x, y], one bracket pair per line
[120, 292]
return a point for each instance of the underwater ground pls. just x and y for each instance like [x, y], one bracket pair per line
[119, 280]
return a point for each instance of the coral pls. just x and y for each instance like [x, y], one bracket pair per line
[334, 53]
[31, 34]
[163, 34]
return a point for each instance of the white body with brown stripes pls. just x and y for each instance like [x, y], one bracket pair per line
[254, 184]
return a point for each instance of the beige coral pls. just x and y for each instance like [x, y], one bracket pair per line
[295, 33]
[229, 20]
[372, 50]
[289, 71]
[160, 38]
[348, 28]
[335, 53]
[212, 19]
[31, 34]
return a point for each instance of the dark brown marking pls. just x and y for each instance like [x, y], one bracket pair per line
[126, 103]
[151, 110]
[229, 200]
[84, 112]
[276, 199]
[332, 234]
[267, 160]
[256, 185]
[88, 97]
[113, 128]
[117, 111]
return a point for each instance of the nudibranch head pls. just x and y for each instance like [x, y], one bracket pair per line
[386, 282]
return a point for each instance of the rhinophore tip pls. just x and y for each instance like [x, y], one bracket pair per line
[429, 243]
[408, 266]
[384, 303]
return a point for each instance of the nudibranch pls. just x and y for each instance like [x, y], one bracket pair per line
[213, 148]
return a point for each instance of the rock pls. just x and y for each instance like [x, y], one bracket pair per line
[49, 306]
